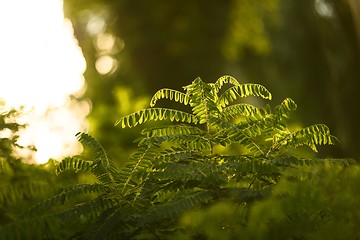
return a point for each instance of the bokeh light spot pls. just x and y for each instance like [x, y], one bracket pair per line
[105, 64]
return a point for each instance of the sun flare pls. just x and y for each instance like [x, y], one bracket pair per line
[41, 67]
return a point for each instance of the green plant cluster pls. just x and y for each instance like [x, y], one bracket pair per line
[23, 184]
[225, 169]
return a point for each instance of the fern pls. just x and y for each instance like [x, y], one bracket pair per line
[139, 161]
[74, 163]
[312, 136]
[155, 114]
[179, 167]
[242, 109]
[171, 130]
[102, 167]
[64, 194]
[95, 206]
[111, 222]
[179, 203]
[224, 80]
[178, 171]
[96, 148]
[284, 108]
[243, 90]
[169, 94]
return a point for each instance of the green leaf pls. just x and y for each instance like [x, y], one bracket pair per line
[243, 90]
[155, 114]
[169, 94]
[73, 163]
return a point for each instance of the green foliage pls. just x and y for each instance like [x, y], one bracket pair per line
[187, 165]
[320, 204]
[23, 184]
[17, 191]
[14, 186]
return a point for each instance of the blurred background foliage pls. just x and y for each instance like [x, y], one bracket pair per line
[312, 208]
[308, 50]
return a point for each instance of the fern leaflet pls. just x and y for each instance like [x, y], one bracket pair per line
[155, 114]
[169, 94]
[243, 90]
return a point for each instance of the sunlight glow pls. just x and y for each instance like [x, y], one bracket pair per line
[41, 67]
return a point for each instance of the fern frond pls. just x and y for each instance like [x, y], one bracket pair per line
[246, 194]
[181, 153]
[202, 111]
[318, 134]
[141, 160]
[65, 194]
[181, 129]
[74, 163]
[222, 81]
[179, 203]
[96, 148]
[202, 100]
[290, 161]
[155, 114]
[282, 110]
[238, 166]
[169, 94]
[92, 207]
[111, 221]
[243, 90]
[107, 176]
[102, 167]
[193, 142]
[178, 171]
[287, 105]
[79, 189]
[244, 133]
[241, 109]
